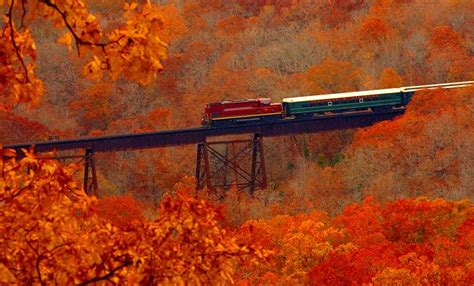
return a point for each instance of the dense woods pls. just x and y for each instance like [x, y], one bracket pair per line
[390, 204]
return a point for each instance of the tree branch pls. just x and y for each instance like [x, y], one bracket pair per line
[79, 40]
[12, 37]
[37, 263]
[108, 275]
[23, 8]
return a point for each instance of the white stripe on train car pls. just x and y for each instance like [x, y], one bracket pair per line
[376, 92]
[342, 95]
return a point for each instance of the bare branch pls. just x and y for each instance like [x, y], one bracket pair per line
[38, 261]
[12, 37]
[23, 8]
[108, 275]
[79, 41]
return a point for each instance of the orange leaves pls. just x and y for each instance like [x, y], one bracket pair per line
[448, 45]
[231, 26]
[334, 76]
[390, 79]
[192, 247]
[417, 153]
[299, 242]
[134, 50]
[374, 29]
[121, 211]
[420, 220]
[415, 271]
[445, 37]
[365, 218]
[448, 54]
[18, 83]
[95, 110]
[49, 224]
[67, 40]
[414, 239]
[174, 25]
[14, 128]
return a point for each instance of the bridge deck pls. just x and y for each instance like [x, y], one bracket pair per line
[197, 135]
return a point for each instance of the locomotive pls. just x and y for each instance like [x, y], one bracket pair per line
[232, 112]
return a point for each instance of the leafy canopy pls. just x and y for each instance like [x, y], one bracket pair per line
[133, 50]
[51, 232]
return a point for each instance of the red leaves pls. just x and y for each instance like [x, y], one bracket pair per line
[121, 211]
[445, 37]
[135, 50]
[390, 79]
[334, 76]
[418, 241]
[412, 241]
[14, 128]
[374, 29]
[50, 232]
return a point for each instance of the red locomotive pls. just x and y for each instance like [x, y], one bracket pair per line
[239, 111]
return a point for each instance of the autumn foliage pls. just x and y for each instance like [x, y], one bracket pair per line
[133, 50]
[51, 232]
[390, 204]
[121, 211]
[409, 242]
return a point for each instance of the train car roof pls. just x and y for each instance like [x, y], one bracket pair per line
[378, 91]
[438, 85]
[342, 95]
[264, 100]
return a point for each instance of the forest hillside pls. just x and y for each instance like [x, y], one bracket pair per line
[388, 204]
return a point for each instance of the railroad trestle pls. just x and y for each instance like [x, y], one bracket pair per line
[234, 163]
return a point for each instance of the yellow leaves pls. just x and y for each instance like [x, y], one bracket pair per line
[188, 223]
[115, 279]
[134, 51]
[5, 274]
[346, 248]
[18, 81]
[40, 219]
[93, 69]
[90, 19]
[390, 78]
[66, 39]
[7, 152]
[131, 6]
[416, 270]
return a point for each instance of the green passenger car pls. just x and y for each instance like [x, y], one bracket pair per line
[347, 101]
[383, 99]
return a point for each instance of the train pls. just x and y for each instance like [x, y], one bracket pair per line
[232, 112]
